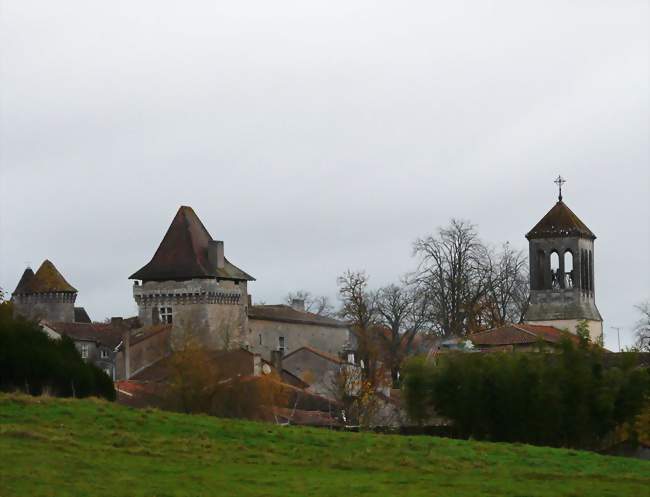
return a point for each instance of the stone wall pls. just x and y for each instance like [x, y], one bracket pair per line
[54, 307]
[264, 337]
[211, 312]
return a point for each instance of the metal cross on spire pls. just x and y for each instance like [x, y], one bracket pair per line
[559, 182]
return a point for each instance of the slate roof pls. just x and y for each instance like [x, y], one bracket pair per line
[27, 276]
[183, 254]
[560, 221]
[46, 280]
[520, 334]
[81, 316]
[287, 314]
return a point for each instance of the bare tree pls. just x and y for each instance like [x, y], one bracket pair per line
[402, 311]
[507, 291]
[454, 272]
[320, 305]
[359, 308]
[643, 327]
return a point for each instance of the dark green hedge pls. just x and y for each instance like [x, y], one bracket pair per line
[32, 362]
[572, 398]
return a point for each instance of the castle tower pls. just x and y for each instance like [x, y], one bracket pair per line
[44, 295]
[561, 255]
[190, 284]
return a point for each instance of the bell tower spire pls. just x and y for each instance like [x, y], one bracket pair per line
[561, 255]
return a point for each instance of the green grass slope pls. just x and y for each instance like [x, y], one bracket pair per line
[55, 447]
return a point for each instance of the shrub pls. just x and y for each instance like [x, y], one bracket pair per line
[33, 362]
[572, 398]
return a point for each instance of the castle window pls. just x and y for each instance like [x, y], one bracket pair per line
[166, 315]
[260, 339]
[103, 353]
[84, 350]
[282, 346]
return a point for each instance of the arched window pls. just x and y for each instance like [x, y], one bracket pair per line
[583, 269]
[555, 270]
[568, 269]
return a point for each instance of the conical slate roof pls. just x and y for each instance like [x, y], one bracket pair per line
[560, 221]
[24, 281]
[46, 280]
[183, 253]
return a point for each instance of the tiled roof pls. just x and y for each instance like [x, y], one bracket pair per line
[183, 253]
[324, 355]
[560, 221]
[288, 314]
[46, 280]
[103, 334]
[518, 334]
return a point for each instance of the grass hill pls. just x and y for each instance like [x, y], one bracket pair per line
[66, 447]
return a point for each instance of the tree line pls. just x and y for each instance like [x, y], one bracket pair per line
[578, 397]
[34, 363]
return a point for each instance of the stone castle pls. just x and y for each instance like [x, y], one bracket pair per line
[195, 291]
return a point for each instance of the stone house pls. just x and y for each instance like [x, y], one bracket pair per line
[286, 329]
[95, 342]
[315, 368]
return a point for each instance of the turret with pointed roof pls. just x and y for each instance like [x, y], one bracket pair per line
[561, 255]
[190, 283]
[188, 251]
[45, 295]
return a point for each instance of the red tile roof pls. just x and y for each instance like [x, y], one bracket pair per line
[518, 334]
[183, 253]
[560, 221]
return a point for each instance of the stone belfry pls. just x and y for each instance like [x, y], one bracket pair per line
[561, 255]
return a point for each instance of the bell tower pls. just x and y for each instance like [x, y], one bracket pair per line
[561, 255]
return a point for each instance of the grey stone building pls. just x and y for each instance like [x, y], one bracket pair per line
[286, 329]
[562, 286]
[45, 295]
[190, 284]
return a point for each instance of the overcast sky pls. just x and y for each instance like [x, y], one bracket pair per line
[318, 136]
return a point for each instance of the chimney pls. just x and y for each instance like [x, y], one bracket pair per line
[215, 254]
[117, 323]
[298, 304]
[276, 359]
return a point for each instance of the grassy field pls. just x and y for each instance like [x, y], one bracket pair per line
[54, 447]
